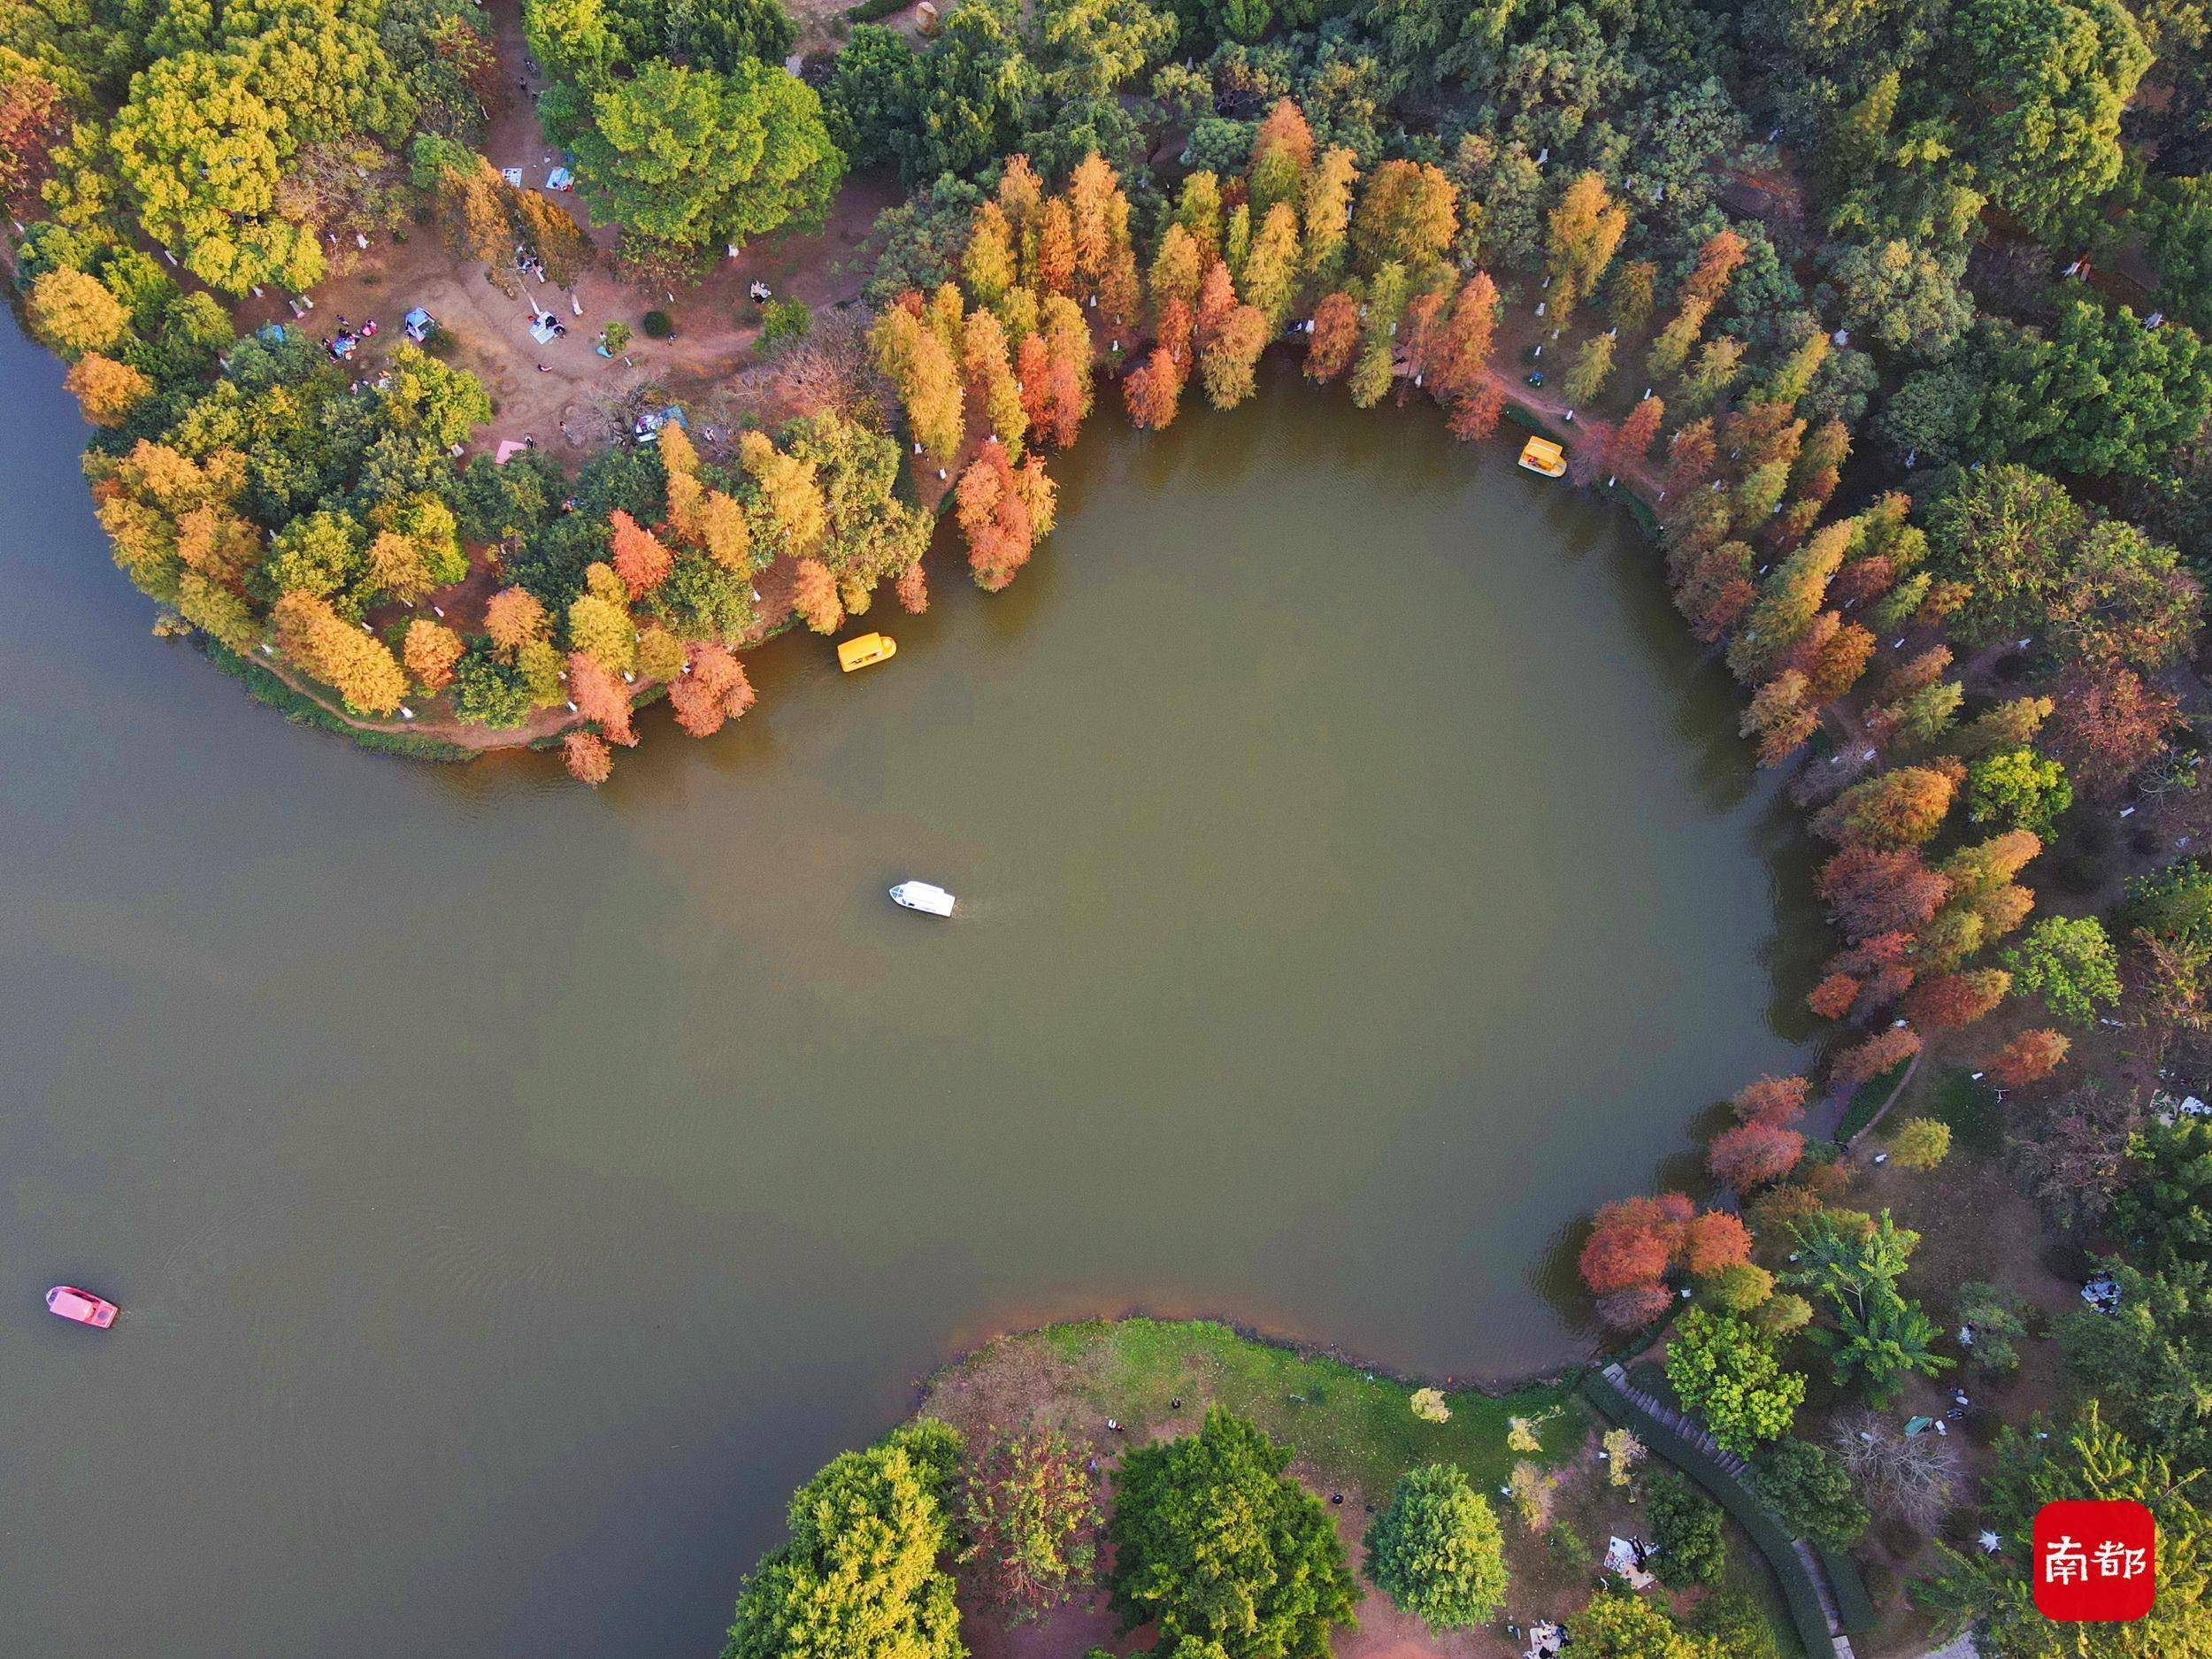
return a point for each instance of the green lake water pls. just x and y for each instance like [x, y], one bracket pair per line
[512, 1191]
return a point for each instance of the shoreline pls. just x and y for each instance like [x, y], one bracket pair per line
[1496, 1386]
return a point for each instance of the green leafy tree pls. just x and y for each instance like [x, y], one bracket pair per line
[1614, 1625]
[1686, 1526]
[2018, 788]
[2085, 1460]
[1436, 1551]
[1030, 1510]
[199, 153]
[2049, 80]
[1921, 1143]
[2101, 394]
[1810, 1492]
[2165, 1209]
[869, 101]
[972, 87]
[861, 1574]
[697, 157]
[1904, 297]
[1853, 1264]
[2150, 1358]
[1215, 1545]
[1722, 1369]
[2070, 962]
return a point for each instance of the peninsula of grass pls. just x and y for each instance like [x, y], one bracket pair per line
[1353, 1428]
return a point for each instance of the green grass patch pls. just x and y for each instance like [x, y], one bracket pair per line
[1971, 1108]
[1868, 1099]
[1355, 1427]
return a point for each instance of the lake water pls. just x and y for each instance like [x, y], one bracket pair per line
[512, 1191]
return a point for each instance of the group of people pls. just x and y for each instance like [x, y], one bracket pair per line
[340, 345]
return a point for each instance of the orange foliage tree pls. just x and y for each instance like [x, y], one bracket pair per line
[601, 698]
[994, 518]
[1875, 891]
[1714, 1240]
[1772, 1099]
[1949, 1001]
[1877, 1055]
[589, 760]
[430, 649]
[1335, 336]
[1152, 391]
[712, 689]
[638, 556]
[359, 666]
[2029, 1058]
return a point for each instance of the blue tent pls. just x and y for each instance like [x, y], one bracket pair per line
[419, 323]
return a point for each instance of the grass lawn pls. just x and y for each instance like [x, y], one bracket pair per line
[1352, 1428]
[1866, 1100]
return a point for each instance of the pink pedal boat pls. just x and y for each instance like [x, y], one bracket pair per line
[82, 1306]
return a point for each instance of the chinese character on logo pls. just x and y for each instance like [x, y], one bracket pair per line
[2094, 1560]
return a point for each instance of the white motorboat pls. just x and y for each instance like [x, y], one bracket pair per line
[923, 896]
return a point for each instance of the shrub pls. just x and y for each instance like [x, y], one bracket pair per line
[657, 324]
[1998, 1316]
[1436, 1551]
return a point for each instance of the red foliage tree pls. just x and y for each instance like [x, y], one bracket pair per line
[1873, 891]
[1874, 1056]
[1773, 1100]
[1335, 336]
[1949, 1001]
[1632, 439]
[2108, 726]
[1751, 1155]
[1635, 1306]
[1462, 357]
[1634, 1241]
[1714, 1240]
[33, 121]
[1692, 455]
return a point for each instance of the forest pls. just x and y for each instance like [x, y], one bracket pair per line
[1884, 318]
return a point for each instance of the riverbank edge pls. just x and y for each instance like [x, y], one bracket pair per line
[1564, 1378]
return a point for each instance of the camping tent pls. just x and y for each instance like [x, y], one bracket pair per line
[419, 323]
